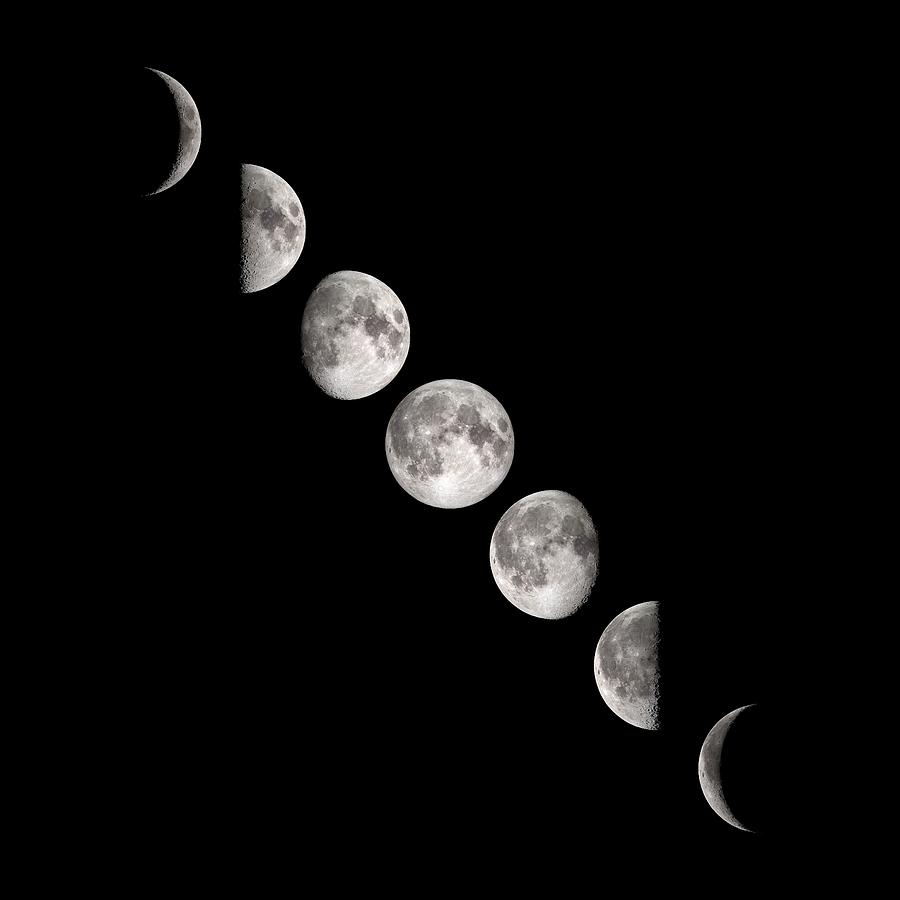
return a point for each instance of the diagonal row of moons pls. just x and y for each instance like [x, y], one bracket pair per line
[449, 444]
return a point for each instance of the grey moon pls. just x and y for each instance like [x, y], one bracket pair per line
[544, 554]
[273, 228]
[626, 665]
[449, 443]
[354, 335]
[709, 768]
[189, 133]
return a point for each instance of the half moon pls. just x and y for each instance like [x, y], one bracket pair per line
[710, 768]
[188, 142]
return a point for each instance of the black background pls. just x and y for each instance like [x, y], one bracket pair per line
[613, 256]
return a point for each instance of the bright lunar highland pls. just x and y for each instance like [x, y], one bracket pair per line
[273, 228]
[710, 768]
[354, 335]
[544, 554]
[187, 145]
[626, 665]
[449, 443]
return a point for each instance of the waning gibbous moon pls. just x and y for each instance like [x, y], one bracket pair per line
[544, 554]
[273, 228]
[186, 145]
[710, 768]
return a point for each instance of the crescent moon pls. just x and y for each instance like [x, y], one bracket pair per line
[709, 768]
[188, 133]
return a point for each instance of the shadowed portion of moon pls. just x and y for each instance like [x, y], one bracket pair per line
[354, 335]
[180, 134]
[449, 443]
[273, 228]
[544, 554]
[713, 770]
[627, 666]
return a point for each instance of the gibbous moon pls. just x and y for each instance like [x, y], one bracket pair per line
[449, 443]
[273, 228]
[710, 767]
[626, 665]
[544, 554]
[354, 334]
[184, 143]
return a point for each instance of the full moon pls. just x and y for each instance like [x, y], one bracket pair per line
[449, 443]
[354, 334]
[544, 554]
[710, 767]
[626, 665]
[183, 139]
[273, 228]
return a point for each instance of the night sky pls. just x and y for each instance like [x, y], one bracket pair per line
[314, 648]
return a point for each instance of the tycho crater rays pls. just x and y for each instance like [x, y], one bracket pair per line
[449, 443]
[544, 554]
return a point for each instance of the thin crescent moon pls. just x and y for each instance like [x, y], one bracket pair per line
[710, 771]
[189, 132]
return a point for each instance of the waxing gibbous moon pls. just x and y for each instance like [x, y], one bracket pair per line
[710, 767]
[273, 228]
[183, 137]
[626, 665]
[354, 335]
[544, 554]
[449, 443]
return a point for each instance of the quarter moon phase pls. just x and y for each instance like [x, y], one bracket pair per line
[710, 768]
[449, 443]
[626, 665]
[544, 554]
[273, 228]
[183, 143]
[354, 335]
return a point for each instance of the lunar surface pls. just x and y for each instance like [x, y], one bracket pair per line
[273, 228]
[449, 443]
[710, 768]
[544, 554]
[626, 665]
[354, 335]
[186, 145]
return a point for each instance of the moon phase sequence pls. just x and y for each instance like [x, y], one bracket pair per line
[626, 665]
[449, 443]
[273, 228]
[710, 767]
[544, 554]
[354, 334]
[185, 140]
